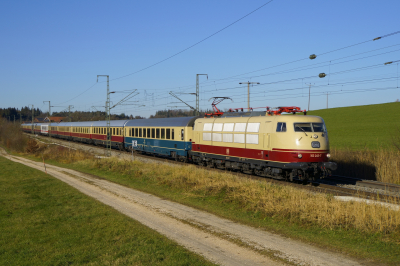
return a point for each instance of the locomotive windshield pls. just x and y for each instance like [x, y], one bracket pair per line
[309, 127]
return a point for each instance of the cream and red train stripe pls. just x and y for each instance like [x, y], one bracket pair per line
[276, 155]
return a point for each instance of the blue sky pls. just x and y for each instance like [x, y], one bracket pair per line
[54, 50]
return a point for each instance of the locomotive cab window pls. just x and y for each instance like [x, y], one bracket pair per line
[309, 127]
[319, 127]
[281, 127]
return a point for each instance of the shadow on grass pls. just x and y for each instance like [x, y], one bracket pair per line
[356, 169]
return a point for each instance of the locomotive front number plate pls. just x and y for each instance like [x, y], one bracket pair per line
[315, 144]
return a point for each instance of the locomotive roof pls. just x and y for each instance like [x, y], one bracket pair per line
[279, 118]
[163, 122]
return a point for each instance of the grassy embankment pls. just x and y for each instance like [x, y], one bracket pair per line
[370, 232]
[363, 140]
[45, 222]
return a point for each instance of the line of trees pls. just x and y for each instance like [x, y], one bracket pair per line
[23, 114]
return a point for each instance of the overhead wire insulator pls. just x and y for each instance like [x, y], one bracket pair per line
[388, 63]
[322, 75]
[377, 38]
[313, 56]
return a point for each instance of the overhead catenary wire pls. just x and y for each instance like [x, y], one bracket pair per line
[214, 84]
[197, 43]
[383, 36]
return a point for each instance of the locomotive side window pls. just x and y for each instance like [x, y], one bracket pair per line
[253, 127]
[227, 137]
[251, 139]
[228, 127]
[281, 127]
[207, 127]
[217, 137]
[206, 136]
[217, 127]
[238, 138]
[240, 127]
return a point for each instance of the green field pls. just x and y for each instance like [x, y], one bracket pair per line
[46, 222]
[359, 127]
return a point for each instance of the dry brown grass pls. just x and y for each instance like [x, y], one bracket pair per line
[381, 165]
[278, 201]
[11, 136]
[57, 153]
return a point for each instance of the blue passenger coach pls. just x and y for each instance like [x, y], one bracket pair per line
[162, 136]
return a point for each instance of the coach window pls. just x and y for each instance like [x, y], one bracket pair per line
[153, 133]
[182, 134]
[281, 127]
[144, 132]
[148, 133]
[140, 132]
[163, 133]
[157, 133]
[168, 133]
[173, 134]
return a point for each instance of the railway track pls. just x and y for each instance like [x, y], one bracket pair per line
[334, 185]
[364, 183]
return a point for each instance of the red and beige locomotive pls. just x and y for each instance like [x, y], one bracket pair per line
[264, 143]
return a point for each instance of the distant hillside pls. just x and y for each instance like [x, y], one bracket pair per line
[356, 127]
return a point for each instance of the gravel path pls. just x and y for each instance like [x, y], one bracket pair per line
[219, 240]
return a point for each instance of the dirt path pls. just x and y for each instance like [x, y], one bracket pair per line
[218, 240]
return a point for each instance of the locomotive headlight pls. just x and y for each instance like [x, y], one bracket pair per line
[328, 155]
[299, 156]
